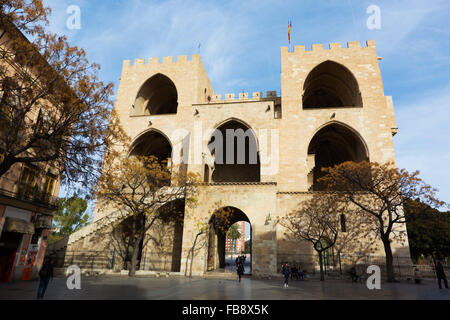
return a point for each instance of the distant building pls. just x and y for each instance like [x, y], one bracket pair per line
[237, 245]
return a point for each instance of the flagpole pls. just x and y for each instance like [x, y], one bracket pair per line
[290, 34]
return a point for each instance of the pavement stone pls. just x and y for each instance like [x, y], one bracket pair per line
[181, 288]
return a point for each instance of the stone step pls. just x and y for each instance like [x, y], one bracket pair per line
[221, 275]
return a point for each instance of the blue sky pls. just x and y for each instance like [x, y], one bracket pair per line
[240, 46]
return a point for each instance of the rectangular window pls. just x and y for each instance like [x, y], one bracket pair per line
[42, 121]
[278, 112]
[9, 101]
[49, 186]
[27, 182]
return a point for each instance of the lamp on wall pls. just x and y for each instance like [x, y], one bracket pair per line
[268, 220]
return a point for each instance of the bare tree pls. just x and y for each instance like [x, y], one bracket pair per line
[317, 221]
[356, 236]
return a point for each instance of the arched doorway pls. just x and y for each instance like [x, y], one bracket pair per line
[334, 144]
[234, 148]
[331, 85]
[157, 96]
[163, 242]
[220, 223]
[152, 143]
[161, 248]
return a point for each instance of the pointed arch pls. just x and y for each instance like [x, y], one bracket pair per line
[152, 142]
[234, 147]
[331, 85]
[333, 144]
[158, 95]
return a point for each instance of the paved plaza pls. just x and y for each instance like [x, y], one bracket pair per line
[178, 288]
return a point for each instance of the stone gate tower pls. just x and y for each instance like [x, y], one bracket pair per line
[332, 108]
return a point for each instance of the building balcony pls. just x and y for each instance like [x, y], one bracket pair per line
[29, 199]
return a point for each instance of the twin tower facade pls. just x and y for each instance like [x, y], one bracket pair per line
[332, 108]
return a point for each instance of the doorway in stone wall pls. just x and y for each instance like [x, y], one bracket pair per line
[230, 237]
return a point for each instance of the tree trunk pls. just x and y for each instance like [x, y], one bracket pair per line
[322, 276]
[5, 166]
[434, 263]
[134, 257]
[192, 255]
[340, 263]
[389, 260]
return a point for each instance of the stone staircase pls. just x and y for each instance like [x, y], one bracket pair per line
[86, 231]
[64, 245]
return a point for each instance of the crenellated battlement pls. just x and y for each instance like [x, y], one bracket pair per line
[170, 60]
[332, 46]
[244, 96]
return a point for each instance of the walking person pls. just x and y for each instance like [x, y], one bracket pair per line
[240, 271]
[286, 272]
[353, 274]
[45, 274]
[294, 273]
[440, 273]
[300, 272]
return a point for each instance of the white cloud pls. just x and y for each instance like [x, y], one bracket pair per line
[423, 142]
[169, 28]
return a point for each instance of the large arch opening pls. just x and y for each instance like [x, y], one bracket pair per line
[161, 248]
[331, 85]
[157, 96]
[164, 241]
[221, 256]
[332, 145]
[234, 148]
[153, 143]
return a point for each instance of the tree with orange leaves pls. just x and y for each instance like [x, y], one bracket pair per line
[53, 107]
[145, 190]
[381, 191]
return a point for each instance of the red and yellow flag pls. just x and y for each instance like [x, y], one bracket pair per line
[289, 30]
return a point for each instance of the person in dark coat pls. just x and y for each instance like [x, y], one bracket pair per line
[440, 273]
[286, 272]
[353, 274]
[240, 271]
[301, 274]
[294, 273]
[45, 274]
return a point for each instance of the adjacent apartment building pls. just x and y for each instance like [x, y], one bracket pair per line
[27, 197]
